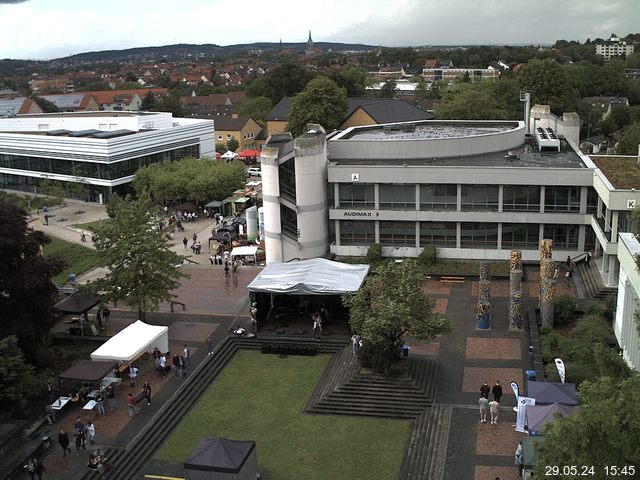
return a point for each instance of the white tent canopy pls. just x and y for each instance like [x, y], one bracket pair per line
[229, 154]
[133, 341]
[247, 251]
[316, 276]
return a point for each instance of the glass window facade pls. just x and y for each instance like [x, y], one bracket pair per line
[563, 236]
[521, 235]
[562, 199]
[479, 235]
[521, 198]
[440, 234]
[592, 201]
[357, 232]
[480, 197]
[287, 171]
[357, 195]
[438, 197]
[398, 196]
[289, 220]
[398, 234]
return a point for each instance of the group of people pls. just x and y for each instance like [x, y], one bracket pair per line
[493, 406]
[35, 467]
[181, 361]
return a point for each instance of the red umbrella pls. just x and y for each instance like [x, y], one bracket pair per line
[249, 153]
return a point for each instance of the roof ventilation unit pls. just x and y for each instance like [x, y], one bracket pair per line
[547, 139]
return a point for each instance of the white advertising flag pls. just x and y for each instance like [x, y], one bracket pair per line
[560, 367]
[514, 387]
[522, 411]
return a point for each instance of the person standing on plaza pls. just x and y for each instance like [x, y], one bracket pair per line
[493, 409]
[106, 315]
[90, 430]
[483, 403]
[163, 365]
[78, 435]
[39, 468]
[186, 353]
[317, 329]
[46, 219]
[497, 391]
[111, 396]
[226, 269]
[131, 404]
[146, 389]
[63, 440]
[185, 242]
[484, 390]
[51, 392]
[100, 403]
[355, 344]
[176, 364]
[156, 357]
[209, 342]
[183, 367]
[133, 374]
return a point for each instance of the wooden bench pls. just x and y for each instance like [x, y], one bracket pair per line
[452, 279]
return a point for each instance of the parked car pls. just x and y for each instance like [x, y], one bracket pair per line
[254, 172]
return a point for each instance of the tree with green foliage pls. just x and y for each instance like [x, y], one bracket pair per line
[322, 101]
[27, 293]
[15, 382]
[469, 102]
[189, 180]
[604, 430]
[389, 305]
[148, 102]
[353, 78]
[170, 103]
[548, 83]
[141, 266]
[233, 144]
[630, 140]
[388, 90]
[283, 81]
[257, 108]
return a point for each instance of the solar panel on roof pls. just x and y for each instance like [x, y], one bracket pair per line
[112, 134]
[57, 133]
[83, 133]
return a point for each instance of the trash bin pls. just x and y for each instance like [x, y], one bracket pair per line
[72, 277]
[531, 375]
[405, 351]
[46, 442]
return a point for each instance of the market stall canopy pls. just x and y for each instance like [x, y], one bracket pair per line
[133, 341]
[213, 204]
[229, 154]
[537, 416]
[249, 153]
[77, 304]
[548, 392]
[316, 276]
[216, 458]
[88, 370]
[242, 200]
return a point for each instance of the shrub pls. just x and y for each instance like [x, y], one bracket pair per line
[551, 373]
[428, 256]
[564, 308]
[594, 308]
[546, 329]
[548, 345]
[578, 372]
[608, 362]
[610, 307]
[592, 329]
[374, 254]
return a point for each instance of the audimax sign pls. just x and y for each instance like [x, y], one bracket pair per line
[359, 213]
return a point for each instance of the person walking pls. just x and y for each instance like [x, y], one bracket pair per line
[355, 344]
[497, 391]
[78, 435]
[30, 467]
[131, 404]
[483, 403]
[493, 410]
[133, 374]
[209, 342]
[226, 269]
[185, 242]
[316, 326]
[90, 430]
[163, 365]
[182, 366]
[63, 440]
[100, 403]
[83, 237]
[51, 392]
[146, 389]
[111, 396]
[484, 390]
[46, 219]
[176, 364]
[39, 468]
[186, 353]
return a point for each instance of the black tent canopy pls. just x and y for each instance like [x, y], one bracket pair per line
[77, 304]
[217, 458]
[88, 371]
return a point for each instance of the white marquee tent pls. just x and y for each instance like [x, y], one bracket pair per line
[133, 341]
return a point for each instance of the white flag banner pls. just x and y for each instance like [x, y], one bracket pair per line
[522, 412]
[560, 367]
[514, 387]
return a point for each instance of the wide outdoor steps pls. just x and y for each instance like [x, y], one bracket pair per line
[592, 281]
[345, 389]
[128, 462]
[426, 454]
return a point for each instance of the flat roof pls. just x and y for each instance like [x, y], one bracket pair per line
[101, 113]
[622, 172]
[433, 130]
[526, 155]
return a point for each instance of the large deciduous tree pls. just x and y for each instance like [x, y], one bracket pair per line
[16, 379]
[604, 431]
[27, 293]
[283, 81]
[189, 180]
[548, 83]
[322, 101]
[389, 306]
[630, 140]
[142, 266]
[257, 108]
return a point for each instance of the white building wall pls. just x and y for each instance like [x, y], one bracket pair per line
[568, 126]
[271, 205]
[625, 327]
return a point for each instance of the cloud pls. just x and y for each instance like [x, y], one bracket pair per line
[11, 1]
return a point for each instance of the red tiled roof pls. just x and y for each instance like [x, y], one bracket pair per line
[112, 96]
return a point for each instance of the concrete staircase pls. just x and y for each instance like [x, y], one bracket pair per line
[426, 454]
[592, 281]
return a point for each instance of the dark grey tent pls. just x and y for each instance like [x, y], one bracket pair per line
[216, 458]
[548, 392]
[77, 304]
[538, 416]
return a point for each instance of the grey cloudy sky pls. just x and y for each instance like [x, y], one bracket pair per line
[43, 29]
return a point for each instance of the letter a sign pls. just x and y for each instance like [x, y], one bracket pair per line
[355, 177]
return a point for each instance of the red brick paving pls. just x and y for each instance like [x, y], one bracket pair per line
[435, 287]
[441, 305]
[561, 287]
[474, 376]
[484, 472]
[499, 288]
[493, 348]
[501, 439]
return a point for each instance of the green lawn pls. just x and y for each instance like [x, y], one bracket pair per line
[79, 259]
[261, 397]
[91, 226]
